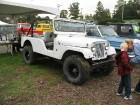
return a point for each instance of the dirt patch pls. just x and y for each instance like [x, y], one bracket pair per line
[99, 90]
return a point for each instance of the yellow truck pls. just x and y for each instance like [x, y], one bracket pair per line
[44, 27]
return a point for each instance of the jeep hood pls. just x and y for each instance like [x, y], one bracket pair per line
[84, 42]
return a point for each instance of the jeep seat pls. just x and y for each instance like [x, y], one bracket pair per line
[48, 39]
[36, 35]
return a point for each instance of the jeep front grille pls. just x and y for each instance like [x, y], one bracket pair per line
[100, 47]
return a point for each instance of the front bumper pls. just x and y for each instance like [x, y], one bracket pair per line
[103, 63]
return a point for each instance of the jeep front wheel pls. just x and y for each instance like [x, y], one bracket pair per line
[76, 69]
[29, 56]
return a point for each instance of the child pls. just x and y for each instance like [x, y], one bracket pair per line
[124, 69]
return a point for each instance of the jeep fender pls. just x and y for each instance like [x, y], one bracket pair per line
[38, 44]
[111, 51]
[87, 53]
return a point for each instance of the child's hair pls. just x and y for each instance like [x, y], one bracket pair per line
[129, 41]
[123, 46]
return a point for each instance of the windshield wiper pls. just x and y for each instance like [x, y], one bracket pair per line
[115, 35]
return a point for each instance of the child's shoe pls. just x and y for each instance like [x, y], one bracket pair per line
[119, 94]
[128, 98]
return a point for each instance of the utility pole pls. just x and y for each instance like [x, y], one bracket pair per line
[58, 6]
[122, 10]
[81, 10]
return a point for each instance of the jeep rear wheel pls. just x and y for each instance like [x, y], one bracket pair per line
[106, 70]
[29, 56]
[76, 69]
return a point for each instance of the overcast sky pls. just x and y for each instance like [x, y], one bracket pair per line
[87, 6]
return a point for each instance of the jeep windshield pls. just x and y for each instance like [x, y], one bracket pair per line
[106, 31]
[69, 26]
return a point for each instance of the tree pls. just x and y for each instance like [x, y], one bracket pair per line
[47, 18]
[63, 13]
[38, 17]
[27, 18]
[5, 19]
[107, 13]
[89, 17]
[119, 3]
[101, 13]
[128, 10]
[74, 10]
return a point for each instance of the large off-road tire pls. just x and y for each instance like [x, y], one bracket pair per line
[76, 69]
[106, 70]
[29, 56]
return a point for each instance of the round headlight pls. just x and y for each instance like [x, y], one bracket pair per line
[107, 46]
[93, 48]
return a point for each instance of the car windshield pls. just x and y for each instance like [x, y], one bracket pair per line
[107, 31]
[68, 26]
[92, 31]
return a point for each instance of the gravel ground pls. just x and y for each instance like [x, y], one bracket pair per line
[99, 90]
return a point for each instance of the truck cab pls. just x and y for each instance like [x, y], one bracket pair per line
[24, 28]
[126, 30]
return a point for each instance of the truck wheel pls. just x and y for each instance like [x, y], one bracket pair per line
[28, 55]
[106, 70]
[76, 69]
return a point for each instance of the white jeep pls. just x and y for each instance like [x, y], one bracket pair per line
[69, 43]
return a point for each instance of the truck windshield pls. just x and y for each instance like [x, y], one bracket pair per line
[106, 31]
[25, 25]
[68, 26]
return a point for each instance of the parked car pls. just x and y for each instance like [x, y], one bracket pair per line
[106, 33]
[44, 27]
[69, 44]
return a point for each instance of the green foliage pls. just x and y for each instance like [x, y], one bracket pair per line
[89, 17]
[3, 18]
[132, 20]
[101, 13]
[113, 20]
[74, 10]
[130, 10]
[27, 18]
[63, 13]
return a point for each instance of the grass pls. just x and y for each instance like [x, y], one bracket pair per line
[18, 81]
[42, 84]
[135, 20]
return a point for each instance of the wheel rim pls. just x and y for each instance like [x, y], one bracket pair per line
[27, 55]
[73, 71]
